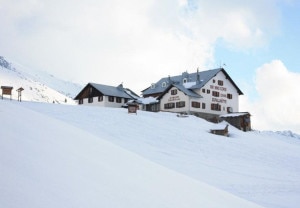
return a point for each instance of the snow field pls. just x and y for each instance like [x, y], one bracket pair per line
[46, 162]
[262, 167]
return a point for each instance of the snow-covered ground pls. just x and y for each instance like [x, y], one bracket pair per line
[78, 156]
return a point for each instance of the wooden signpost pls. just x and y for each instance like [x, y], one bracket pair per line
[20, 93]
[6, 90]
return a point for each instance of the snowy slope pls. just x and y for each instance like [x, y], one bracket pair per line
[50, 163]
[38, 86]
[67, 88]
[263, 167]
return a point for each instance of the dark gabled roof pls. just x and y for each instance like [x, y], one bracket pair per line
[107, 90]
[199, 82]
[182, 89]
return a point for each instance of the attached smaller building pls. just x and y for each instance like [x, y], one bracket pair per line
[105, 95]
[240, 120]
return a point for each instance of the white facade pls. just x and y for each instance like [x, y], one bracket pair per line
[103, 102]
[218, 91]
[170, 98]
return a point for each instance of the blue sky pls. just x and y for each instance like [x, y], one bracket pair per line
[282, 45]
[138, 42]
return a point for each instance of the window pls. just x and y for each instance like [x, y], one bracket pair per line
[90, 99]
[80, 101]
[208, 91]
[164, 84]
[203, 105]
[229, 96]
[214, 80]
[169, 105]
[203, 90]
[215, 93]
[111, 98]
[215, 107]
[118, 100]
[100, 98]
[125, 100]
[195, 104]
[184, 80]
[220, 82]
[174, 92]
[180, 104]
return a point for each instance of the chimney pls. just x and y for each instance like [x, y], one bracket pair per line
[198, 76]
[120, 86]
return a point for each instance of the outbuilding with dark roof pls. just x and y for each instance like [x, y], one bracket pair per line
[105, 95]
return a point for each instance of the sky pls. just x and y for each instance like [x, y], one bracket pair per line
[138, 42]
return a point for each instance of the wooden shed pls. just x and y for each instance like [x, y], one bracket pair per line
[240, 120]
[132, 107]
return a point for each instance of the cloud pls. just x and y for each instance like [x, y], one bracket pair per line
[135, 42]
[277, 107]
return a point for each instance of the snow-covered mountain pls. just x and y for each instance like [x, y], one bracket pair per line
[38, 86]
[80, 156]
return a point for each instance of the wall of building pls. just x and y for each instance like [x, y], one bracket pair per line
[179, 97]
[223, 91]
[104, 103]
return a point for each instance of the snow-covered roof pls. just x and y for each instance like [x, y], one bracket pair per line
[189, 84]
[234, 114]
[148, 100]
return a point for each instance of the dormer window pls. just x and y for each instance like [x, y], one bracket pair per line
[164, 84]
[184, 80]
[152, 86]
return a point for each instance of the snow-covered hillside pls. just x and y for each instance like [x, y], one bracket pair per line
[50, 163]
[78, 156]
[38, 86]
